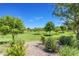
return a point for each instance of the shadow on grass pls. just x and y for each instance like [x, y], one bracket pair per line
[47, 35]
[36, 34]
[4, 42]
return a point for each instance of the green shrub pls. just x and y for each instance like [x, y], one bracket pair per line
[50, 45]
[77, 44]
[16, 49]
[68, 51]
[74, 43]
[77, 36]
[47, 34]
[43, 39]
[65, 40]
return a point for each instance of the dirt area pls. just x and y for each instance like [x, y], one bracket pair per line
[36, 49]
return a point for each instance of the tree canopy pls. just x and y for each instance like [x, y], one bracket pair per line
[9, 24]
[49, 26]
[12, 25]
[68, 12]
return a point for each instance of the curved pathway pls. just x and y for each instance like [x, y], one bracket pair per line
[36, 49]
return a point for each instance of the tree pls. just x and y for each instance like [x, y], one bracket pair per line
[28, 29]
[68, 12]
[63, 28]
[11, 25]
[71, 26]
[49, 27]
[37, 29]
[4, 29]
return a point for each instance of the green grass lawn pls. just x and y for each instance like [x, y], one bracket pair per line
[30, 36]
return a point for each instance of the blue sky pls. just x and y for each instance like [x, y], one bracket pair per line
[33, 15]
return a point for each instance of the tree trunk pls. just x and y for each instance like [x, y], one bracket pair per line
[13, 37]
[77, 34]
[12, 40]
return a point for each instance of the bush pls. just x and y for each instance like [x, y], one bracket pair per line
[77, 44]
[68, 51]
[65, 40]
[50, 45]
[43, 39]
[47, 34]
[77, 36]
[16, 49]
[74, 43]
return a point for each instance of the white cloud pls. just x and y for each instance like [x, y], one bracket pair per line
[38, 18]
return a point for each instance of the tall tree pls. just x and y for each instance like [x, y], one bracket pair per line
[49, 27]
[68, 12]
[63, 28]
[11, 25]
